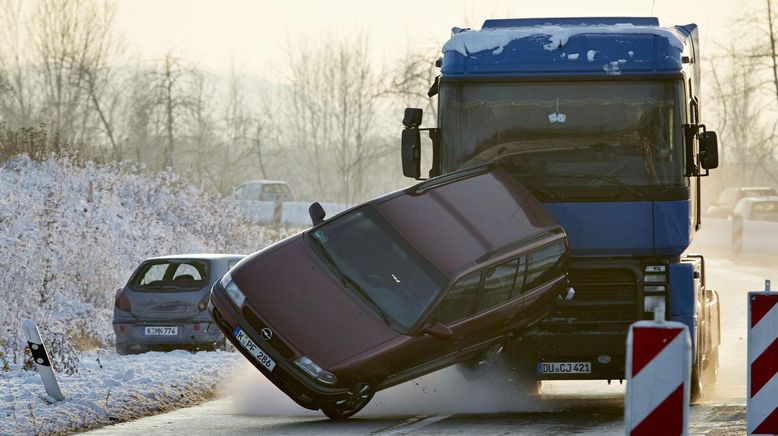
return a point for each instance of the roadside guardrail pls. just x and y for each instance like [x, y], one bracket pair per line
[283, 213]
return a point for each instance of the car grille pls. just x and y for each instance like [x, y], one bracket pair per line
[606, 299]
[275, 342]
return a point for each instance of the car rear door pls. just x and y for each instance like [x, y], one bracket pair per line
[498, 308]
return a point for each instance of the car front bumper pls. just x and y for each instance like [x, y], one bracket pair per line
[285, 375]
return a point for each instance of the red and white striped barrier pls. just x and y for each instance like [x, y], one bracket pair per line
[762, 406]
[657, 372]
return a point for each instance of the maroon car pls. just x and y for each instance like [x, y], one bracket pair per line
[393, 289]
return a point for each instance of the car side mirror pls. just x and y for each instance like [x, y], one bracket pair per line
[439, 331]
[317, 213]
[709, 150]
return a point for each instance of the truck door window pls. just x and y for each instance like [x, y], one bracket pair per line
[459, 301]
[544, 264]
[498, 284]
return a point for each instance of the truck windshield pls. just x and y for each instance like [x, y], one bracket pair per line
[625, 134]
[379, 266]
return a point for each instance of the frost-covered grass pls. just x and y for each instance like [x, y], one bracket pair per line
[70, 235]
[110, 388]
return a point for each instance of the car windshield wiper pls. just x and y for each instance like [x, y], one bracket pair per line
[613, 179]
[347, 281]
[351, 284]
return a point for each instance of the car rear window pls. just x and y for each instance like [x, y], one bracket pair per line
[170, 275]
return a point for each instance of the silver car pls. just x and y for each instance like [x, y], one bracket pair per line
[164, 304]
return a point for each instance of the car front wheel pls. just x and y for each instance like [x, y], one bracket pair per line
[358, 398]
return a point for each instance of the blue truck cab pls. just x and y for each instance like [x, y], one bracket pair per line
[600, 119]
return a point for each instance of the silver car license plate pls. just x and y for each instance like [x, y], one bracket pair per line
[564, 367]
[160, 330]
[253, 349]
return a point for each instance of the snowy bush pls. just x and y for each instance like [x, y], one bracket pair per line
[71, 233]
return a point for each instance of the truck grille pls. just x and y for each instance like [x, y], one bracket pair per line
[606, 299]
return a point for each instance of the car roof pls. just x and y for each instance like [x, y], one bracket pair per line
[198, 256]
[456, 221]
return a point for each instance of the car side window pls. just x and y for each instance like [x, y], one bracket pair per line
[231, 263]
[521, 273]
[499, 281]
[543, 264]
[460, 299]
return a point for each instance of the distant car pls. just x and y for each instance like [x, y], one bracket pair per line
[263, 190]
[757, 209]
[393, 289]
[164, 303]
[725, 203]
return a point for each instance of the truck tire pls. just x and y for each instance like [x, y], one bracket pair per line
[704, 376]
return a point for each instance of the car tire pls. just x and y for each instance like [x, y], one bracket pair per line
[359, 397]
[122, 350]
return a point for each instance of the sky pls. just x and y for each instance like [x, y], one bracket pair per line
[252, 34]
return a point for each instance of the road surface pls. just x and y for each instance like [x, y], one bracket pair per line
[447, 403]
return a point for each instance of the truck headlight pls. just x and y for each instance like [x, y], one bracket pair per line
[232, 290]
[315, 371]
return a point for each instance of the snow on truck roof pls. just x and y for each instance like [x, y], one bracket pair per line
[609, 46]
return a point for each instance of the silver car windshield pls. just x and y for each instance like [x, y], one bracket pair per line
[379, 266]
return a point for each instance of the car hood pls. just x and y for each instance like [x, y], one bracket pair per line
[303, 303]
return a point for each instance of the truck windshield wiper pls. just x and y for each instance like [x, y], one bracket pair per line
[612, 179]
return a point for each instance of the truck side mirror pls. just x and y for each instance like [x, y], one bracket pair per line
[317, 213]
[411, 143]
[709, 150]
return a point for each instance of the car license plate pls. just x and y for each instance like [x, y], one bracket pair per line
[255, 351]
[564, 367]
[160, 331]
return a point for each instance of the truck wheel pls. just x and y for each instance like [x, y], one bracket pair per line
[343, 409]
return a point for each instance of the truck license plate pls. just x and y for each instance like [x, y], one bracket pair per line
[564, 367]
[253, 349]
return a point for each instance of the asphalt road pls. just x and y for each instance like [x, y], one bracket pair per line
[448, 403]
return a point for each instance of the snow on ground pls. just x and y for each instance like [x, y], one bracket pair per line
[109, 388]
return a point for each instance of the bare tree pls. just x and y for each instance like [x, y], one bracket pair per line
[334, 94]
[72, 40]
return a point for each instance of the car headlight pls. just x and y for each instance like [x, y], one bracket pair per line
[315, 371]
[232, 290]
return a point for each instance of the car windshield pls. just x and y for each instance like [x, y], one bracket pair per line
[379, 266]
[624, 134]
[170, 276]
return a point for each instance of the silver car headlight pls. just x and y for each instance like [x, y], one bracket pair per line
[315, 371]
[232, 290]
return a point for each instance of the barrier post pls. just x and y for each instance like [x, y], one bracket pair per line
[658, 370]
[41, 359]
[762, 385]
